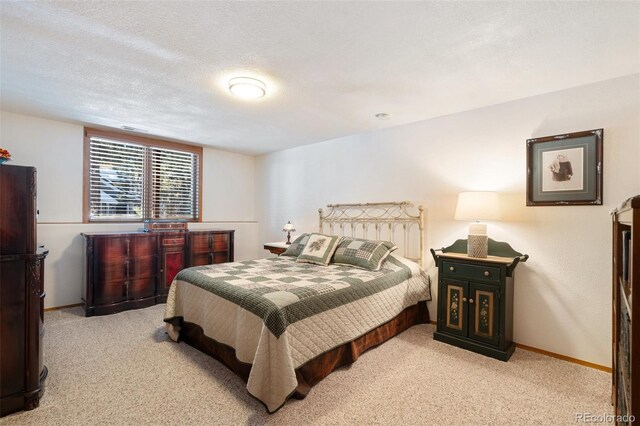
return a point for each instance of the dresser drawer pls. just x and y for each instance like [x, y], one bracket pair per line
[200, 242]
[220, 242]
[207, 242]
[473, 272]
[173, 242]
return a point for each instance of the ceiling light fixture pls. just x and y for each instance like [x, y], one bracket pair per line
[382, 116]
[247, 87]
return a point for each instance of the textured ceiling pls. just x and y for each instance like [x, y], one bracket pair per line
[329, 66]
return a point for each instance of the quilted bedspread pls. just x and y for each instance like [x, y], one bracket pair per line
[278, 314]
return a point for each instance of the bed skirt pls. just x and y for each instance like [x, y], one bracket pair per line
[316, 369]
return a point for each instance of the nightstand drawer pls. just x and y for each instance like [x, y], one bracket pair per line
[477, 272]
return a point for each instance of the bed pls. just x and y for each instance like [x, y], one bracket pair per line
[283, 326]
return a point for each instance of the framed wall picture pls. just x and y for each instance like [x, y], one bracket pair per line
[565, 169]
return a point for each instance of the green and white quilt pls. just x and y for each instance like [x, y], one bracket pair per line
[278, 314]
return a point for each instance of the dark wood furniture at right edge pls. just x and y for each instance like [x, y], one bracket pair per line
[626, 316]
[475, 298]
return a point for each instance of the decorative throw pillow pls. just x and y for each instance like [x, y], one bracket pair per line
[295, 248]
[319, 249]
[365, 254]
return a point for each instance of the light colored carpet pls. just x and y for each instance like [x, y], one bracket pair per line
[123, 369]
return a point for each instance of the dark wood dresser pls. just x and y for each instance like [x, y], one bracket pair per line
[130, 270]
[22, 371]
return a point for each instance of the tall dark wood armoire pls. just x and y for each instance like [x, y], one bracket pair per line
[22, 372]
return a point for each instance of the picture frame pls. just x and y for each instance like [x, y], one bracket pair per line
[565, 170]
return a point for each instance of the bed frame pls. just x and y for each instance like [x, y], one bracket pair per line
[382, 220]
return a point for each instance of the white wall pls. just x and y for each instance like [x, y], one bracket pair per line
[563, 293]
[56, 149]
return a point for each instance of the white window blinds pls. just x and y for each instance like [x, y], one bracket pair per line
[129, 181]
[174, 184]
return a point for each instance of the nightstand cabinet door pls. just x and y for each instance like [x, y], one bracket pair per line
[484, 313]
[471, 310]
[454, 306]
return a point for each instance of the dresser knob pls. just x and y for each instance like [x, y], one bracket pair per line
[451, 268]
[470, 300]
[464, 299]
[487, 273]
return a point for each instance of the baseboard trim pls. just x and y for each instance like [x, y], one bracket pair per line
[565, 358]
[57, 308]
[558, 356]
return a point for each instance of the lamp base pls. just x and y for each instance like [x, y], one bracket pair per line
[477, 246]
[288, 238]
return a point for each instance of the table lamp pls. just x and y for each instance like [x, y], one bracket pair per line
[289, 228]
[477, 206]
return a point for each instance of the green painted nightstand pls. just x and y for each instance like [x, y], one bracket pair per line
[475, 298]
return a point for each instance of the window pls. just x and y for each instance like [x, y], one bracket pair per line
[131, 178]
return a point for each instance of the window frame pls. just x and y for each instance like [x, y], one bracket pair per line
[140, 140]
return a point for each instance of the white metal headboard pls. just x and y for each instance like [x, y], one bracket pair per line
[383, 217]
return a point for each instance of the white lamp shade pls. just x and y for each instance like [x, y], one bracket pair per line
[288, 227]
[478, 206]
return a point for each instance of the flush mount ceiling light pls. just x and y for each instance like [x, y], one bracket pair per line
[382, 116]
[247, 87]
